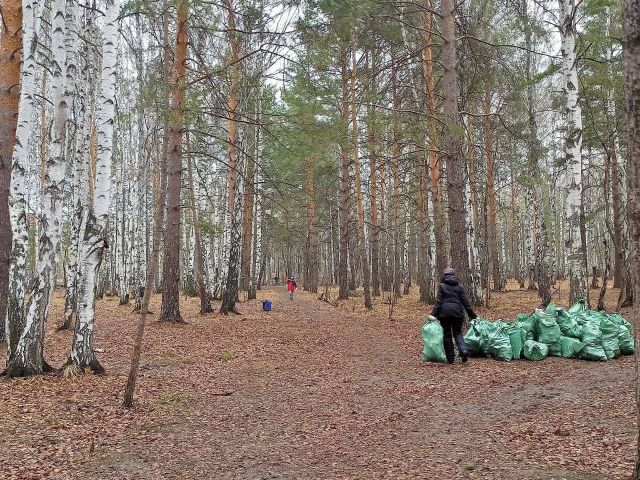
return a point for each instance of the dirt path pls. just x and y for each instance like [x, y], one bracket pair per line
[320, 393]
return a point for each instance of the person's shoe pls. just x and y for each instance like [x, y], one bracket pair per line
[465, 357]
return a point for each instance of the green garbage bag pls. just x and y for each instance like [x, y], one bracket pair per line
[610, 342]
[528, 323]
[432, 336]
[579, 307]
[548, 329]
[479, 333]
[555, 349]
[619, 320]
[570, 347]
[569, 326]
[473, 339]
[535, 350]
[517, 337]
[625, 340]
[591, 334]
[593, 352]
[499, 344]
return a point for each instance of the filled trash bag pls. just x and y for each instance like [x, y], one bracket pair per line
[548, 329]
[555, 349]
[570, 347]
[579, 307]
[568, 324]
[517, 337]
[473, 340]
[432, 337]
[610, 342]
[477, 338]
[499, 343]
[619, 320]
[625, 340]
[593, 352]
[528, 323]
[535, 350]
[591, 334]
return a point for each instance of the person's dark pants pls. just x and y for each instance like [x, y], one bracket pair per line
[452, 328]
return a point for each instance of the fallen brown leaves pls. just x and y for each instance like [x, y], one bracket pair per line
[313, 391]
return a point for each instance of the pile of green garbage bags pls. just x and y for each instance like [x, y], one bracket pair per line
[574, 333]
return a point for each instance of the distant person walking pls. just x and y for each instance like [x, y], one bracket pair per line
[291, 286]
[451, 304]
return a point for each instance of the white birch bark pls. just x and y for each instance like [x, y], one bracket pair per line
[572, 150]
[475, 288]
[19, 360]
[95, 219]
[30, 345]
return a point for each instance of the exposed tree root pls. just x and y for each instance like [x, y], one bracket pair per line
[70, 369]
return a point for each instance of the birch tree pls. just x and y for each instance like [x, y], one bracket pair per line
[10, 45]
[572, 150]
[20, 337]
[94, 222]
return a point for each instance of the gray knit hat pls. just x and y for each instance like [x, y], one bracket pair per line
[449, 271]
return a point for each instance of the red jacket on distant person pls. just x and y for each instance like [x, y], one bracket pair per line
[291, 285]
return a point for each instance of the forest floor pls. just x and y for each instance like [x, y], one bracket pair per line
[310, 390]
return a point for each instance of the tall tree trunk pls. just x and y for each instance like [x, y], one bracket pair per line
[435, 167]
[205, 301]
[247, 226]
[170, 310]
[148, 286]
[364, 260]
[452, 143]
[372, 146]
[10, 46]
[313, 243]
[395, 175]
[573, 152]
[343, 198]
[631, 58]
[234, 205]
[19, 334]
[52, 196]
[494, 260]
[95, 218]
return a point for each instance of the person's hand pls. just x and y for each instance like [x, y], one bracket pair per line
[432, 318]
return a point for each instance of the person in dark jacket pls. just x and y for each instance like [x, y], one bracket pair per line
[451, 304]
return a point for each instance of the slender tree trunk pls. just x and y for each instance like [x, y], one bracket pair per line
[166, 88]
[205, 302]
[494, 260]
[247, 226]
[395, 174]
[343, 292]
[234, 206]
[631, 59]
[170, 310]
[364, 260]
[435, 166]
[573, 152]
[313, 243]
[372, 146]
[10, 46]
[452, 143]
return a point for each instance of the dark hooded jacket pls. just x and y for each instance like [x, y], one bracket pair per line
[452, 300]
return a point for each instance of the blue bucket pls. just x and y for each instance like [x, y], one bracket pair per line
[266, 305]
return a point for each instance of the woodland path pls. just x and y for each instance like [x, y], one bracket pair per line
[316, 392]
